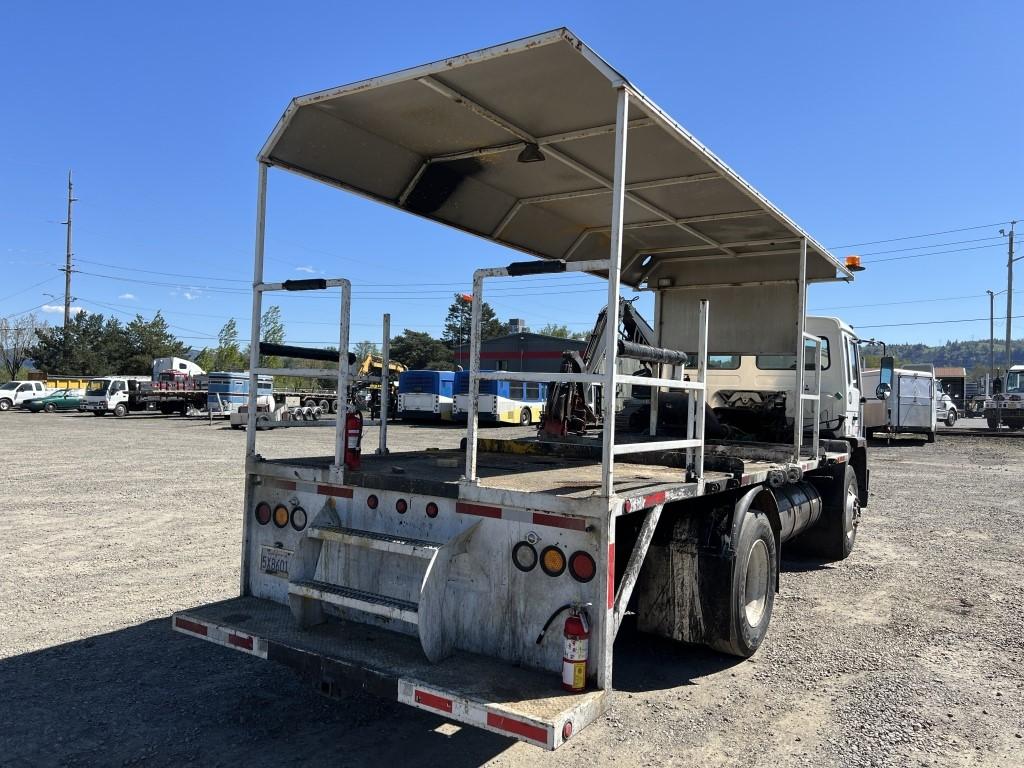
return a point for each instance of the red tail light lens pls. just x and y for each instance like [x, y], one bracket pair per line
[402, 506]
[582, 567]
[263, 513]
[372, 501]
[431, 509]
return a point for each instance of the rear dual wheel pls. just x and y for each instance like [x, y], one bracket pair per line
[751, 589]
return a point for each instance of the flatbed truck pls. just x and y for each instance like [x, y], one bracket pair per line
[434, 577]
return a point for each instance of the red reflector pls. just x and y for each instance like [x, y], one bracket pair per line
[263, 513]
[241, 642]
[190, 626]
[567, 730]
[518, 727]
[582, 567]
[372, 501]
[401, 505]
[431, 509]
[439, 703]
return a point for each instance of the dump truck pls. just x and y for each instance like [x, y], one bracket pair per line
[487, 584]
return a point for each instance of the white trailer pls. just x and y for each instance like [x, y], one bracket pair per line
[912, 407]
[427, 577]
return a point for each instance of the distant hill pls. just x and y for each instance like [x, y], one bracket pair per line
[972, 355]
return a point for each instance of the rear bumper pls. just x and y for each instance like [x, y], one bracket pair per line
[512, 701]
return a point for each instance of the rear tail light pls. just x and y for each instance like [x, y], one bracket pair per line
[402, 506]
[431, 509]
[552, 561]
[281, 515]
[298, 518]
[372, 501]
[524, 556]
[582, 567]
[263, 513]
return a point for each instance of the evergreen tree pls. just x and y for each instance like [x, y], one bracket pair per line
[458, 324]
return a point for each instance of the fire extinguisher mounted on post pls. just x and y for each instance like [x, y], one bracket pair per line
[576, 644]
[353, 438]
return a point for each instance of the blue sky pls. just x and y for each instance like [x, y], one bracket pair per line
[864, 122]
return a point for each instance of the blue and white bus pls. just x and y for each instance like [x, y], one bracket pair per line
[230, 389]
[501, 402]
[425, 395]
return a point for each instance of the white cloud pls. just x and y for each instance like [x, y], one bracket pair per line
[126, 296]
[310, 270]
[54, 308]
[189, 295]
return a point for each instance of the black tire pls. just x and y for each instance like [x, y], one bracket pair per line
[752, 588]
[120, 410]
[5, 405]
[836, 532]
[309, 402]
[525, 417]
[49, 407]
[951, 417]
[98, 413]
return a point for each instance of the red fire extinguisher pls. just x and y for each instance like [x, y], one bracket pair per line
[353, 438]
[575, 646]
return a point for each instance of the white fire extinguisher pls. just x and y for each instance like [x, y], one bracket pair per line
[575, 645]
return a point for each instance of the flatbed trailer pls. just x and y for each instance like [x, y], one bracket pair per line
[431, 577]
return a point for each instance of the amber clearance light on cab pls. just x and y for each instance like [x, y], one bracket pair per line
[281, 515]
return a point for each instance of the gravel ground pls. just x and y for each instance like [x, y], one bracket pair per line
[908, 653]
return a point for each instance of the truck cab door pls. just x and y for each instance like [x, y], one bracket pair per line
[854, 424]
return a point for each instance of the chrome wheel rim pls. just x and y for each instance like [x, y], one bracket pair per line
[852, 516]
[755, 593]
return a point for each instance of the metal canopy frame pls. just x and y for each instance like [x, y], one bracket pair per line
[398, 138]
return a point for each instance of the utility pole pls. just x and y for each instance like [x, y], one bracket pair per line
[67, 262]
[1009, 296]
[991, 339]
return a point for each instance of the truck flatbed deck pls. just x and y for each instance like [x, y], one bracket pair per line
[558, 476]
[500, 697]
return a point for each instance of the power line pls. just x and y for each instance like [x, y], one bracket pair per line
[933, 253]
[914, 237]
[166, 274]
[933, 245]
[936, 322]
[23, 290]
[908, 301]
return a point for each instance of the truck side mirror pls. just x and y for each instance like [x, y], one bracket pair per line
[885, 378]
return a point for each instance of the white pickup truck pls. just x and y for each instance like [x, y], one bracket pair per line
[14, 393]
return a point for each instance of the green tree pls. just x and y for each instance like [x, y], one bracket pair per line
[562, 332]
[364, 348]
[140, 343]
[83, 348]
[228, 356]
[419, 350]
[272, 332]
[458, 324]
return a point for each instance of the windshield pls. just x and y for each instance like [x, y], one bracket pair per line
[98, 387]
[10, 385]
[1015, 382]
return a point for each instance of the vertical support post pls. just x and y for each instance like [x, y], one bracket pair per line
[801, 326]
[385, 385]
[659, 368]
[614, 272]
[817, 403]
[474, 376]
[1009, 304]
[254, 363]
[338, 469]
[701, 399]
[257, 310]
[604, 607]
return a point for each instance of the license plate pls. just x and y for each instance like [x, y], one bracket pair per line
[275, 561]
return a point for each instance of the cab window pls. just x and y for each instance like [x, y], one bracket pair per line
[854, 361]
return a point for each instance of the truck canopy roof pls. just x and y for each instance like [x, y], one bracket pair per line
[453, 141]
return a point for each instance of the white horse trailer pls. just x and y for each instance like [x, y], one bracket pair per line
[430, 577]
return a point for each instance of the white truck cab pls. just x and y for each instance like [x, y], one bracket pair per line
[113, 394]
[1007, 407]
[14, 393]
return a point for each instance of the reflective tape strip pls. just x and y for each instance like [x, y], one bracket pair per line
[519, 728]
[288, 485]
[433, 701]
[611, 575]
[229, 638]
[334, 490]
[557, 521]
[466, 508]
